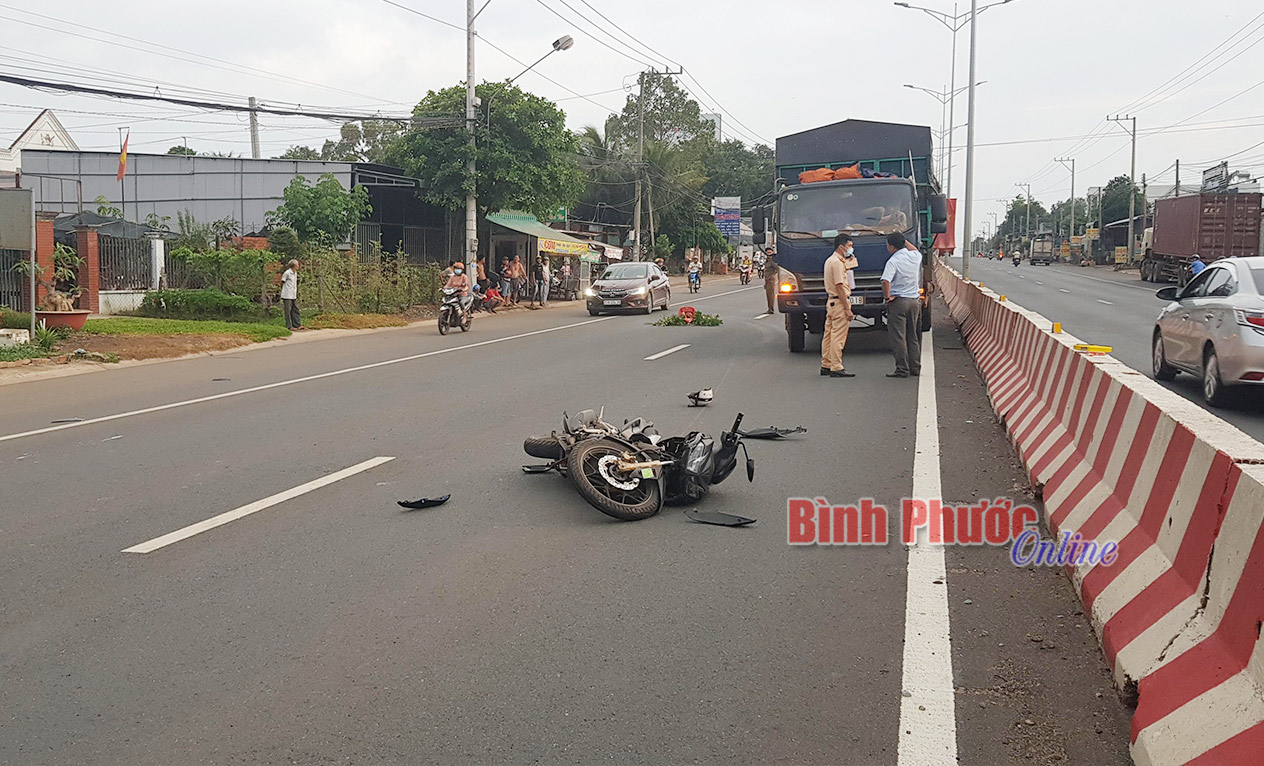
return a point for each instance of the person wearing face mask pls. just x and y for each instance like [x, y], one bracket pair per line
[839, 282]
[462, 283]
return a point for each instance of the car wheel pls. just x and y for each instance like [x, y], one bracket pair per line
[1213, 387]
[1162, 370]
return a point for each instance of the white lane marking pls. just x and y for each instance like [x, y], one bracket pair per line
[764, 315]
[320, 376]
[1108, 303]
[1063, 290]
[1039, 282]
[1020, 276]
[258, 505]
[671, 350]
[928, 724]
[1116, 282]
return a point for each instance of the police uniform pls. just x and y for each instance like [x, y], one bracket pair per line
[837, 313]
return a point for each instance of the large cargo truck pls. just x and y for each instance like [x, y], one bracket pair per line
[1213, 226]
[898, 192]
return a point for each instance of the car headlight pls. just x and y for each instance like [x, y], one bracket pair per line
[588, 291]
[638, 291]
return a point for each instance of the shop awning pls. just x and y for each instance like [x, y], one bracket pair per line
[550, 240]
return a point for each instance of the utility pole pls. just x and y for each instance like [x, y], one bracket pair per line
[1132, 180]
[1027, 225]
[254, 129]
[1177, 191]
[1064, 161]
[471, 197]
[640, 164]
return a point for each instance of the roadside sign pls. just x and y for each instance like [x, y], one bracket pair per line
[1121, 254]
[559, 215]
[728, 215]
[1216, 178]
[1077, 240]
[1066, 249]
[1092, 233]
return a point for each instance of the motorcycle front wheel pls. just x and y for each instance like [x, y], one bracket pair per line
[591, 466]
[443, 321]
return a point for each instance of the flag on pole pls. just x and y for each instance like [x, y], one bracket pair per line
[123, 158]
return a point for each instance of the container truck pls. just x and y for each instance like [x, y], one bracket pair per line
[1042, 251]
[1213, 226]
[897, 192]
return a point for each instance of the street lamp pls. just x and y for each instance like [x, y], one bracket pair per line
[954, 23]
[944, 130]
[562, 43]
[1027, 225]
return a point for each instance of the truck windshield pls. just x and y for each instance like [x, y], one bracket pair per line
[875, 208]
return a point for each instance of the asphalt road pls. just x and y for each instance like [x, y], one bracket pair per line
[1108, 308]
[514, 624]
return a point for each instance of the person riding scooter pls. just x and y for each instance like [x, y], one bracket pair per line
[1018, 256]
[745, 271]
[461, 282]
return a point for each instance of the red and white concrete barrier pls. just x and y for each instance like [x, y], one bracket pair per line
[1119, 458]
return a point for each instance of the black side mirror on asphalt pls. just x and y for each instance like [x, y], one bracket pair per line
[1167, 294]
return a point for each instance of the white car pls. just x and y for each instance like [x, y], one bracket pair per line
[1213, 327]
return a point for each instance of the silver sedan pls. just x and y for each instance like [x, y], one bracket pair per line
[1213, 327]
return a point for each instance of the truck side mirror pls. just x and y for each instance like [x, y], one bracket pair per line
[938, 208]
[759, 238]
[938, 227]
[758, 224]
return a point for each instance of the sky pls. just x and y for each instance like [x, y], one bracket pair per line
[1051, 71]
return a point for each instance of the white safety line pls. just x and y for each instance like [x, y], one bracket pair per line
[671, 350]
[1039, 282]
[320, 376]
[218, 521]
[1063, 290]
[928, 723]
[764, 315]
[1108, 303]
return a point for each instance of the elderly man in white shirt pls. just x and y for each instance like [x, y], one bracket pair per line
[901, 286]
[289, 297]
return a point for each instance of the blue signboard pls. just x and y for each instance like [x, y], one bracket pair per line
[728, 215]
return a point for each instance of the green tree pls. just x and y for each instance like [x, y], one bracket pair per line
[104, 208]
[1115, 200]
[284, 242]
[1061, 213]
[1014, 225]
[366, 141]
[526, 156]
[300, 153]
[181, 149]
[324, 212]
[734, 170]
[670, 116]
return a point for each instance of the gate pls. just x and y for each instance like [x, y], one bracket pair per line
[12, 284]
[126, 264]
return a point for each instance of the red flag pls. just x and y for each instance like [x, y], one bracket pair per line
[123, 158]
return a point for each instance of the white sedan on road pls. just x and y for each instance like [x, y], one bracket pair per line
[1213, 327]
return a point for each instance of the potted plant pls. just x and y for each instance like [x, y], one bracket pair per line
[58, 308]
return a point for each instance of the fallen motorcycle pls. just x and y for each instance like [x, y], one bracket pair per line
[630, 471]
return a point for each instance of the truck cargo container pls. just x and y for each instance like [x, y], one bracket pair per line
[895, 163]
[1213, 226]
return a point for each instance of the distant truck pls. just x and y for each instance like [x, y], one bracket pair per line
[1213, 226]
[807, 216]
[1042, 251]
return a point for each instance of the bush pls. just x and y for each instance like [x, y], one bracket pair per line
[197, 304]
[380, 283]
[14, 320]
[238, 272]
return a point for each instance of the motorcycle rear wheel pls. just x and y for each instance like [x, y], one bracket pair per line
[543, 447]
[583, 467]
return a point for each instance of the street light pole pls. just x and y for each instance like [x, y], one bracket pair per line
[1027, 223]
[1132, 191]
[945, 98]
[1064, 161]
[969, 244]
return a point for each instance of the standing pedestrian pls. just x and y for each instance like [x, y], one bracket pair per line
[900, 286]
[838, 313]
[481, 265]
[548, 277]
[289, 297]
[506, 279]
[537, 279]
[518, 272]
[771, 279]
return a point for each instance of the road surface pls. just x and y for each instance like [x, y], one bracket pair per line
[1107, 308]
[319, 623]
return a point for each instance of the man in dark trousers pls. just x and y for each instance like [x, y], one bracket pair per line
[771, 278]
[901, 285]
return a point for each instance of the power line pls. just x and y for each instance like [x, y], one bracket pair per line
[591, 36]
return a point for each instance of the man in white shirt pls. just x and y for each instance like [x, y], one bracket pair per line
[289, 297]
[901, 286]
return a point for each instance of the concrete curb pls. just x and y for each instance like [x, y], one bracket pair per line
[1119, 458]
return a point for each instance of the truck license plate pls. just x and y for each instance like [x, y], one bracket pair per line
[857, 300]
[612, 303]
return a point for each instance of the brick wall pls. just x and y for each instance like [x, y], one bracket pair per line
[87, 245]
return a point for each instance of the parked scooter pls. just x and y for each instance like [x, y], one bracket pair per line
[629, 472]
[453, 312]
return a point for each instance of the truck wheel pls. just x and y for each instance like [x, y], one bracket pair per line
[796, 328]
[925, 325]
